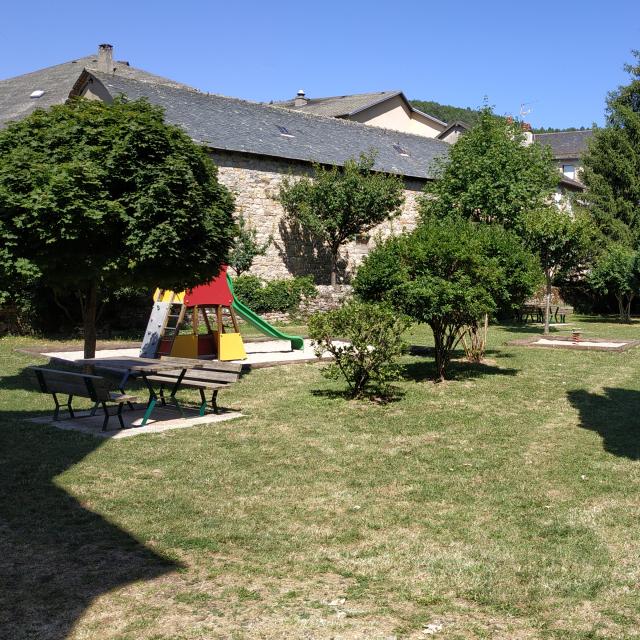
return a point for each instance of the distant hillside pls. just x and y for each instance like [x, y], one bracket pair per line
[448, 113]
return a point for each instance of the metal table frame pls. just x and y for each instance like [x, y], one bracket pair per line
[135, 367]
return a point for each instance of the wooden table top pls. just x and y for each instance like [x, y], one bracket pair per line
[129, 363]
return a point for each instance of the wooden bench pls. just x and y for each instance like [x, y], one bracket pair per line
[201, 374]
[72, 384]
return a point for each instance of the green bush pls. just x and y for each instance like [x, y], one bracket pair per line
[274, 295]
[365, 340]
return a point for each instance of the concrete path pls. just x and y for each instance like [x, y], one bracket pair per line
[161, 420]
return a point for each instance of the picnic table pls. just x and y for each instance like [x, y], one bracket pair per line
[143, 368]
[535, 312]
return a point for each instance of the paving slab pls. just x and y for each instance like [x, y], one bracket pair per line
[162, 419]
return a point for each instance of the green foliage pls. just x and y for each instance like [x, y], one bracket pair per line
[612, 164]
[339, 203]
[274, 295]
[617, 271]
[96, 195]
[246, 247]
[490, 175]
[365, 341]
[448, 273]
[563, 243]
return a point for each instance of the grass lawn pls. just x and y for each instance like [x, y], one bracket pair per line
[504, 503]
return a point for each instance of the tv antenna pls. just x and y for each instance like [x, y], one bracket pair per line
[525, 109]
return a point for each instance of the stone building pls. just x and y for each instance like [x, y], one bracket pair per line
[255, 146]
[386, 109]
[567, 148]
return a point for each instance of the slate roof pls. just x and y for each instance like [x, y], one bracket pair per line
[231, 124]
[57, 82]
[345, 106]
[565, 144]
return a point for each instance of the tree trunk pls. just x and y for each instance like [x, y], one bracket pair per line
[547, 303]
[624, 307]
[89, 320]
[334, 267]
[441, 353]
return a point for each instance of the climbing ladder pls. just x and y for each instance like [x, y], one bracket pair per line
[164, 324]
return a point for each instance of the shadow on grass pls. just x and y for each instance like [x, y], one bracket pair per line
[457, 370]
[612, 319]
[56, 555]
[614, 415]
[394, 394]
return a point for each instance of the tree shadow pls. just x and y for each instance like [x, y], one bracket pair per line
[615, 415]
[457, 370]
[305, 255]
[56, 554]
[393, 394]
[606, 319]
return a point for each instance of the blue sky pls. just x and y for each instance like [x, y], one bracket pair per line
[560, 57]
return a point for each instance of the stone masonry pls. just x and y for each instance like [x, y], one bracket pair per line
[255, 183]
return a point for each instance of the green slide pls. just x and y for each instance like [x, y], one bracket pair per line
[260, 323]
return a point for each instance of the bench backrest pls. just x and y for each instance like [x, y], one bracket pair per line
[71, 383]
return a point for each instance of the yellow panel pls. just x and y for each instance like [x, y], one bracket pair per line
[231, 347]
[185, 347]
[166, 295]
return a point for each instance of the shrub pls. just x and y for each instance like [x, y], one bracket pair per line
[373, 335]
[274, 295]
[448, 274]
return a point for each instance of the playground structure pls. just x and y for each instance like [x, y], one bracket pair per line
[216, 305]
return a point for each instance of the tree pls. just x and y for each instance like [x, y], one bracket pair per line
[448, 273]
[365, 341]
[340, 203]
[100, 196]
[612, 164]
[617, 271]
[490, 175]
[246, 247]
[561, 241]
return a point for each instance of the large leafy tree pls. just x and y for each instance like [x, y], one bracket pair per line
[562, 242]
[340, 203]
[100, 196]
[449, 273]
[612, 164]
[491, 175]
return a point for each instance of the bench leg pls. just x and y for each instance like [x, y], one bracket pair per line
[56, 413]
[147, 413]
[214, 402]
[163, 401]
[94, 409]
[203, 402]
[119, 414]
[105, 422]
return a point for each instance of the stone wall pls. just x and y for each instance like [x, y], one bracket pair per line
[328, 298]
[255, 182]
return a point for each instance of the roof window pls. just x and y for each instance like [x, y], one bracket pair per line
[284, 131]
[400, 150]
[38, 93]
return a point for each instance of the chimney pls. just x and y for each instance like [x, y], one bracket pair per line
[300, 100]
[528, 135]
[105, 58]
